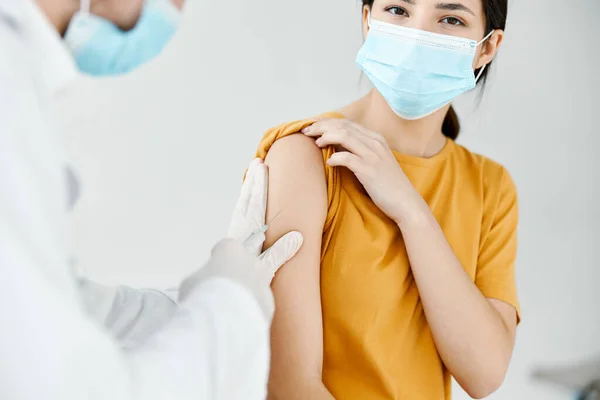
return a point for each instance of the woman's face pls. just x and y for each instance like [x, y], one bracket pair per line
[461, 18]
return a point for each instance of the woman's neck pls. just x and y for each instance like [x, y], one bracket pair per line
[59, 12]
[421, 138]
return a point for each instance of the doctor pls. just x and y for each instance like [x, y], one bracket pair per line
[61, 336]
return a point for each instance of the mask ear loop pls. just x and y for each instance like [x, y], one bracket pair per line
[481, 41]
[484, 65]
[85, 7]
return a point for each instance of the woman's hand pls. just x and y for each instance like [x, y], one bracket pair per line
[367, 154]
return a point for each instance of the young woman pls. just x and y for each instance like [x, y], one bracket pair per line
[406, 276]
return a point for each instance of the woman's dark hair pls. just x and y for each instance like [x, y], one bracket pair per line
[496, 12]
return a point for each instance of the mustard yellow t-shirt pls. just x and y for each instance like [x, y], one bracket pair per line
[377, 343]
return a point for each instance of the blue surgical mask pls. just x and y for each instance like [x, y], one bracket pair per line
[100, 48]
[417, 72]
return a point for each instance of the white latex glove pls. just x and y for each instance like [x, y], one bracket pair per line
[231, 260]
[244, 263]
[250, 215]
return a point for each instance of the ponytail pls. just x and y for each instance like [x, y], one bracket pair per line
[451, 125]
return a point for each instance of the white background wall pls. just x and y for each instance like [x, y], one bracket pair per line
[161, 153]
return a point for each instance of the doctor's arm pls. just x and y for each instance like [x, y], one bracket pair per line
[214, 347]
[297, 188]
[131, 315]
[51, 350]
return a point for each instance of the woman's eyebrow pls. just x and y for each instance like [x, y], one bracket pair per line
[454, 7]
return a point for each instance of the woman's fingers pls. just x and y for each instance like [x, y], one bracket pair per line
[345, 133]
[345, 159]
[320, 127]
[327, 125]
[367, 133]
[343, 138]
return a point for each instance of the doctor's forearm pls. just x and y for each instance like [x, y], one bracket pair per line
[218, 332]
[470, 334]
[194, 357]
[131, 315]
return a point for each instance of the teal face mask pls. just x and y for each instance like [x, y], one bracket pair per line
[100, 48]
[417, 72]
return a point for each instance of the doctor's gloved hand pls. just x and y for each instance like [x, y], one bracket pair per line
[231, 260]
[249, 217]
[240, 259]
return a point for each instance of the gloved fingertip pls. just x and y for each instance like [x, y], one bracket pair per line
[290, 244]
[251, 168]
[262, 171]
[298, 239]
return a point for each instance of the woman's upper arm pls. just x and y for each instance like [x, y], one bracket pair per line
[297, 189]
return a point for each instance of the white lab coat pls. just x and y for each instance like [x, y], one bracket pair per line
[212, 346]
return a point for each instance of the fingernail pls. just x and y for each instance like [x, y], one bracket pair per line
[318, 142]
[305, 130]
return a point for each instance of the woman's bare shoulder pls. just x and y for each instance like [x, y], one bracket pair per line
[297, 185]
[297, 148]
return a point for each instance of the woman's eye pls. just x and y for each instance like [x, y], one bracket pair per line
[397, 11]
[452, 21]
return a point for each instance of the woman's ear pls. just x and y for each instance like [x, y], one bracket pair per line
[365, 19]
[490, 48]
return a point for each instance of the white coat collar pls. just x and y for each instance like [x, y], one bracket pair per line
[51, 62]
